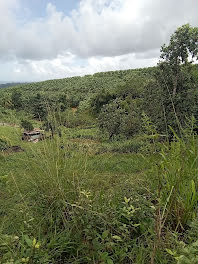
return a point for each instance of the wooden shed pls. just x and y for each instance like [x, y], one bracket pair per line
[33, 136]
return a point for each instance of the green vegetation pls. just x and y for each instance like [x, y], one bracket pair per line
[27, 125]
[116, 178]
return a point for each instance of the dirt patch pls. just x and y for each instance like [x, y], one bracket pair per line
[10, 125]
[74, 110]
[13, 149]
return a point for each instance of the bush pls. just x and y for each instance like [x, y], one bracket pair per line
[126, 146]
[112, 119]
[3, 144]
[27, 125]
[174, 182]
[74, 119]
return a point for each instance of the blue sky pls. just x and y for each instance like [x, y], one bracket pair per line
[48, 39]
[37, 8]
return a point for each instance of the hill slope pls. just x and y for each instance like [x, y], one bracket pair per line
[82, 85]
[4, 85]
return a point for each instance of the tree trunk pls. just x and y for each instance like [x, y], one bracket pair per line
[175, 86]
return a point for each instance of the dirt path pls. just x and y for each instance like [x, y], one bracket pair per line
[6, 124]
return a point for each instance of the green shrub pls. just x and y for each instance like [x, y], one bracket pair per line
[4, 144]
[27, 125]
[186, 254]
[112, 119]
[123, 146]
[73, 119]
[177, 175]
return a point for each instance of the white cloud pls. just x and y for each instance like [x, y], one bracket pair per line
[67, 65]
[101, 32]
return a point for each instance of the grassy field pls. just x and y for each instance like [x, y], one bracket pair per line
[75, 199]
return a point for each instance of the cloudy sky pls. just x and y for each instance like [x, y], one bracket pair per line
[47, 39]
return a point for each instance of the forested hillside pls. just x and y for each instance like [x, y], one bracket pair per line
[3, 85]
[130, 91]
[76, 89]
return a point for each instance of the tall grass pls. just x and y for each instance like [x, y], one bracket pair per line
[71, 205]
[174, 178]
[60, 203]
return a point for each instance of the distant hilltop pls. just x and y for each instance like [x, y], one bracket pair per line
[4, 85]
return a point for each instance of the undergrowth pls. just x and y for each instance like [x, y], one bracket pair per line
[63, 204]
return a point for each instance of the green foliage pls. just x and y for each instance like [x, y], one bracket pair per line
[112, 119]
[27, 125]
[16, 99]
[63, 102]
[123, 146]
[38, 106]
[69, 210]
[89, 133]
[92, 91]
[176, 177]
[186, 254]
[183, 44]
[72, 119]
[3, 144]
[61, 203]
[29, 248]
[173, 92]
[85, 104]
[101, 99]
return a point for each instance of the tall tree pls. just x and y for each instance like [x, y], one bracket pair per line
[172, 96]
[38, 105]
[182, 49]
[16, 99]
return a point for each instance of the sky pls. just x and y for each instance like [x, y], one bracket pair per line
[49, 39]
